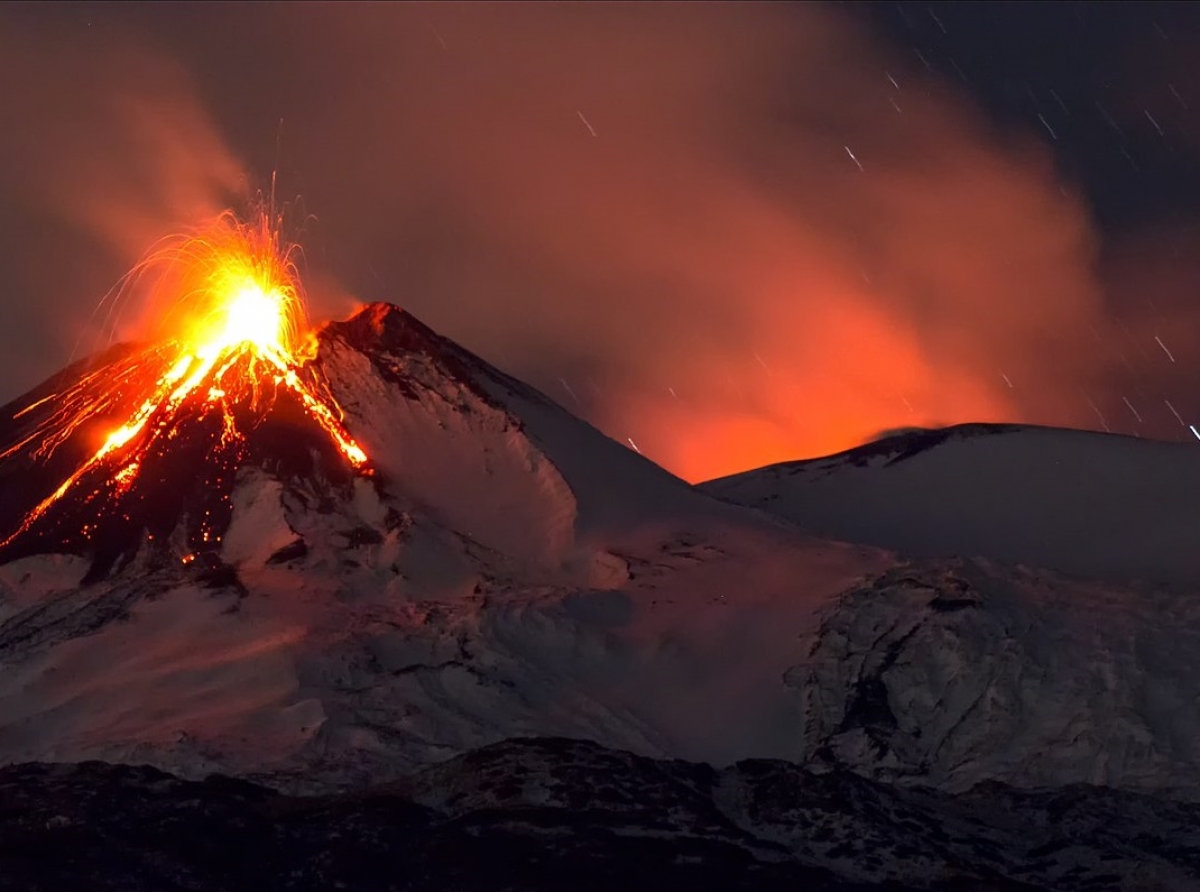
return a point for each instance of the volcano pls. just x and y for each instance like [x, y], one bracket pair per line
[498, 571]
[347, 612]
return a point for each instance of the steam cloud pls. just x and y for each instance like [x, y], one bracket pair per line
[732, 234]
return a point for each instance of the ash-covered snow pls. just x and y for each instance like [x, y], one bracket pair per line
[32, 581]
[333, 668]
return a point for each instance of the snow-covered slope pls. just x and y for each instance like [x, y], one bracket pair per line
[1091, 504]
[355, 662]
[488, 455]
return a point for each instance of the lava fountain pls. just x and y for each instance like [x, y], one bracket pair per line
[232, 335]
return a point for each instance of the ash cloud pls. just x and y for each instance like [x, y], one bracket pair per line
[731, 234]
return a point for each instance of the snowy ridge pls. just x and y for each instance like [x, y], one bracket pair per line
[1083, 503]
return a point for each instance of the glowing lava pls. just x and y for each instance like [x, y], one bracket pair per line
[232, 337]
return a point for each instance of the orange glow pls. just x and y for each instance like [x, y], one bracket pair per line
[865, 373]
[231, 295]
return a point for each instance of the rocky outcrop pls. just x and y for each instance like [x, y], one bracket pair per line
[953, 674]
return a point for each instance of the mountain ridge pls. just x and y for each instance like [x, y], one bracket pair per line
[544, 812]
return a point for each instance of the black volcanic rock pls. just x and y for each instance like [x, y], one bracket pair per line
[187, 479]
[906, 444]
[892, 447]
[383, 331]
[561, 814]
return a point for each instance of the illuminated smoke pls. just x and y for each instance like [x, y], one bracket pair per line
[731, 233]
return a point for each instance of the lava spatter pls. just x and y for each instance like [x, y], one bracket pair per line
[232, 338]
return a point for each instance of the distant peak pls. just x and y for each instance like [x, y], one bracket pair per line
[378, 315]
[388, 327]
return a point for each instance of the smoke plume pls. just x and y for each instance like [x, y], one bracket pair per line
[727, 233]
[105, 150]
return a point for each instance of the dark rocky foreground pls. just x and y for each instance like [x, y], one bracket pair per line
[559, 814]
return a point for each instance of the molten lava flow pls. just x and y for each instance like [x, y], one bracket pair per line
[233, 301]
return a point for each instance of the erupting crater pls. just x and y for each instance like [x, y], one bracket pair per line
[172, 421]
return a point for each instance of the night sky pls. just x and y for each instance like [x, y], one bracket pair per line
[728, 234]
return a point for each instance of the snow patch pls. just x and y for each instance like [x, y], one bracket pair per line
[259, 527]
[32, 579]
